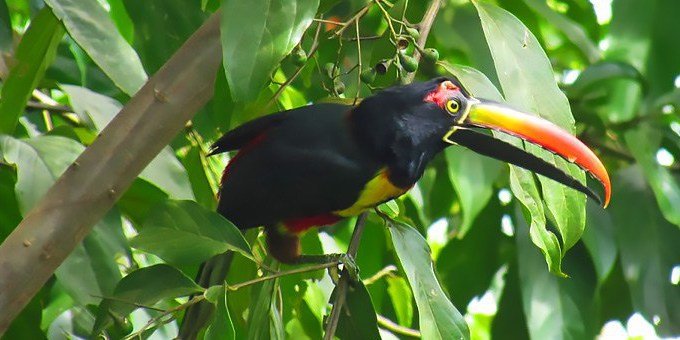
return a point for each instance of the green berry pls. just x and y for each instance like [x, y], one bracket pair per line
[382, 66]
[339, 86]
[408, 63]
[368, 75]
[413, 33]
[330, 69]
[431, 55]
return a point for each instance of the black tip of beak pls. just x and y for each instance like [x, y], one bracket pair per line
[495, 148]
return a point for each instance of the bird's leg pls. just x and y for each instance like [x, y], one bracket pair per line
[285, 247]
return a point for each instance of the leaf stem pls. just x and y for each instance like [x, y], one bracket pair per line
[387, 271]
[395, 328]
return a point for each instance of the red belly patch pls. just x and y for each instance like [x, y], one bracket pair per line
[299, 225]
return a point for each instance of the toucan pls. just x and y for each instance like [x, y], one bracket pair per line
[315, 165]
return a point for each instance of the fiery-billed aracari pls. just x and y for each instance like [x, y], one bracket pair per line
[314, 165]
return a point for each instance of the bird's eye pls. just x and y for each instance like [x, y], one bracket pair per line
[452, 106]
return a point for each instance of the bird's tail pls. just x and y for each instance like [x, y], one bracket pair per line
[212, 272]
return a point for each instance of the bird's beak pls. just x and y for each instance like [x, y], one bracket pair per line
[481, 113]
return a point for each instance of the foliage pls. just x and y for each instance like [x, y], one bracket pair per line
[457, 256]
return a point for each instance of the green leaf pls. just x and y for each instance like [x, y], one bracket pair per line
[144, 287]
[598, 73]
[528, 82]
[221, 328]
[571, 29]
[522, 181]
[555, 308]
[88, 23]
[357, 319]
[643, 143]
[438, 318]
[264, 321]
[33, 55]
[472, 176]
[165, 171]
[253, 45]
[402, 299]
[648, 248]
[196, 166]
[186, 234]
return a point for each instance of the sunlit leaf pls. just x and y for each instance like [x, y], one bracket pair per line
[438, 318]
[264, 320]
[33, 55]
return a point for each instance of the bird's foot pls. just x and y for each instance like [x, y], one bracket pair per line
[349, 266]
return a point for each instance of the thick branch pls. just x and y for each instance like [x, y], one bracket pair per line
[95, 181]
[424, 28]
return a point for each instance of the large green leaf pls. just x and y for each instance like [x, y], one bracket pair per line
[528, 83]
[648, 246]
[438, 318]
[357, 318]
[599, 239]
[165, 171]
[522, 181]
[33, 55]
[253, 44]
[143, 287]
[10, 216]
[91, 27]
[186, 234]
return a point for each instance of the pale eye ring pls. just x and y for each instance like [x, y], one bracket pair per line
[452, 106]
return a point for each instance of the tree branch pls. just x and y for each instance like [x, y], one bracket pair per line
[424, 28]
[341, 292]
[95, 181]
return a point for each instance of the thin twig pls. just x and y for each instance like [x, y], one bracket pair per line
[283, 273]
[48, 107]
[424, 28]
[356, 23]
[354, 18]
[387, 271]
[343, 283]
[397, 329]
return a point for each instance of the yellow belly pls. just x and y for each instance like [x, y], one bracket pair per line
[377, 190]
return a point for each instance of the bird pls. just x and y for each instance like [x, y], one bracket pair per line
[315, 165]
